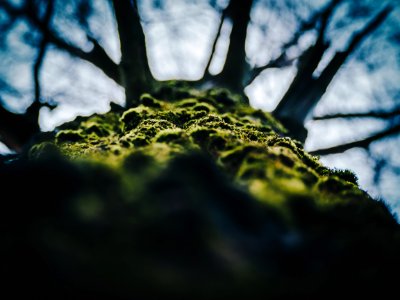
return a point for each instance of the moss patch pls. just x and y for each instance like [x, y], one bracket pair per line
[192, 193]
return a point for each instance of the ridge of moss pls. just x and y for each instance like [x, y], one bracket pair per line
[192, 193]
[246, 144]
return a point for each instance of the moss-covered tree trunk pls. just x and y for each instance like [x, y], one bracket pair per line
[190, 194]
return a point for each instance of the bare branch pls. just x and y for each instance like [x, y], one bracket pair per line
[364, 143]
[280, 62]
[214, 45]
[369, 28]
[97, 56]
[305, 91]
[283, 60]
[34, 108]
[340, 57]
[371, 114]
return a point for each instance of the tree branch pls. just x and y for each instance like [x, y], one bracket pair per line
[34, 108]
[370, 114]
[214, 45]
[305, 91]
[369, 28]
[283, 60]
[280, 62]
[97, 56]
[364, 143]
[340, 57]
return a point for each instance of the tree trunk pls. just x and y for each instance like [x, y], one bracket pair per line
[134, 69]
[293, 108]
[236, 67]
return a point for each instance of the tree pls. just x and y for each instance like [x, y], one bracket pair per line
[323, 39]
[310, 90]
[186, 191]
[189, 197]
[297, 103]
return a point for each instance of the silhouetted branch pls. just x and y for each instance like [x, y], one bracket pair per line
[305, 90]
[33, 110]
[280, 62]
[97, 56]
[36, 69]
[369, 28]
[340, 57]
[283, 60]
[364, 143]
[371, 114]
[293, 102]
[214, 45]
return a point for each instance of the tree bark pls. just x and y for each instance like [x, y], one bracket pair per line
[236, 67]
[134, 69]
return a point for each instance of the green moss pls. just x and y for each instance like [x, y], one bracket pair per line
[334, 185]
[346, 175]
[169, 135]
[225, 97]
[200, 187]
[149, 101]
[43, 151]
[131, 118]
[233, 159]
[204, 107]
[240, 139]
[174, 91]
[97, 130]
[187, 103]
[69, 136]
